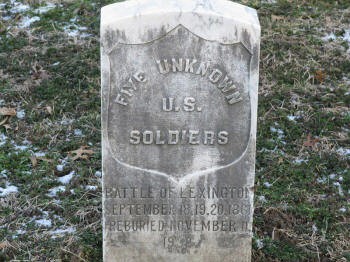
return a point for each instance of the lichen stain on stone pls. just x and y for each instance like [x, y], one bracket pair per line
[255, 61]
[112, 37]
[246, 38]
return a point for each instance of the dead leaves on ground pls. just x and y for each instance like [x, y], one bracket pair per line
[4, 111]
[35, 160]
[5, 114]
[320, 76]
[49, 109]
[38, 75]
[82, 153]
[310, 142]
[4, 244]
[277, 18]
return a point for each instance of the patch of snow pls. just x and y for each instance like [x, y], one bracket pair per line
[299, 161]
[3, 173]
[58, 218]
[78, 132]
[53, 191]
[27, 21]
[314, 228]
[90, 144]
[262, 199]
[66, 179]
[71, 32]
[98, 174]
[6, 18]
[39, 154]
[329, 37]
[2, 6]
[21, 148]
[57, 201]
[92, 188]
[343, 151]
[67, 122]
[18, 7]
[333, 37]
[279, 133]
[21, 114]
[343, 209]
[74, 30]
[59, 168]
[259, 243]
[72, 191]
[267, 184]
[275, 151]
[277, 130]
[322, 180]
[56, 64]
[44, 222]
[292, 118]
[346, 36]
[61, 231]
[3, 139]
[27, 142]
[45, 9]
[9, 189]
[340, 189]
[85, 35]
[332, 176]
[20, 232]
[340, 179]
[263, 150]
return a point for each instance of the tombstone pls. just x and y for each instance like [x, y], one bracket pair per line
[179, 112]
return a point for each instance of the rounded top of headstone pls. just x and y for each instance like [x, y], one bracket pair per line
[224, 8]
[143, 21]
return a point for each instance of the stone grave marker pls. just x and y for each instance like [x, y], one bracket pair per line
[179, 112]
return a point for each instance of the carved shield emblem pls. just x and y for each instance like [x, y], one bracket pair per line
[179, 105]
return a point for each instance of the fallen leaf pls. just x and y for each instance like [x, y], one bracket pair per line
[82, 153]
[40, 75]
[38, 72]
[8, 113]
[310, 142]
[5, 111]
[7, 126]
[3, 245]
[49, 110]
[320, 76]
[275, 18]
[34, 161]
[45, 159]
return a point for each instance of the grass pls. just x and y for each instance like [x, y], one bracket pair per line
[302, 179]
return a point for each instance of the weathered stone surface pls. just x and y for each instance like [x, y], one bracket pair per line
[179, 105]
